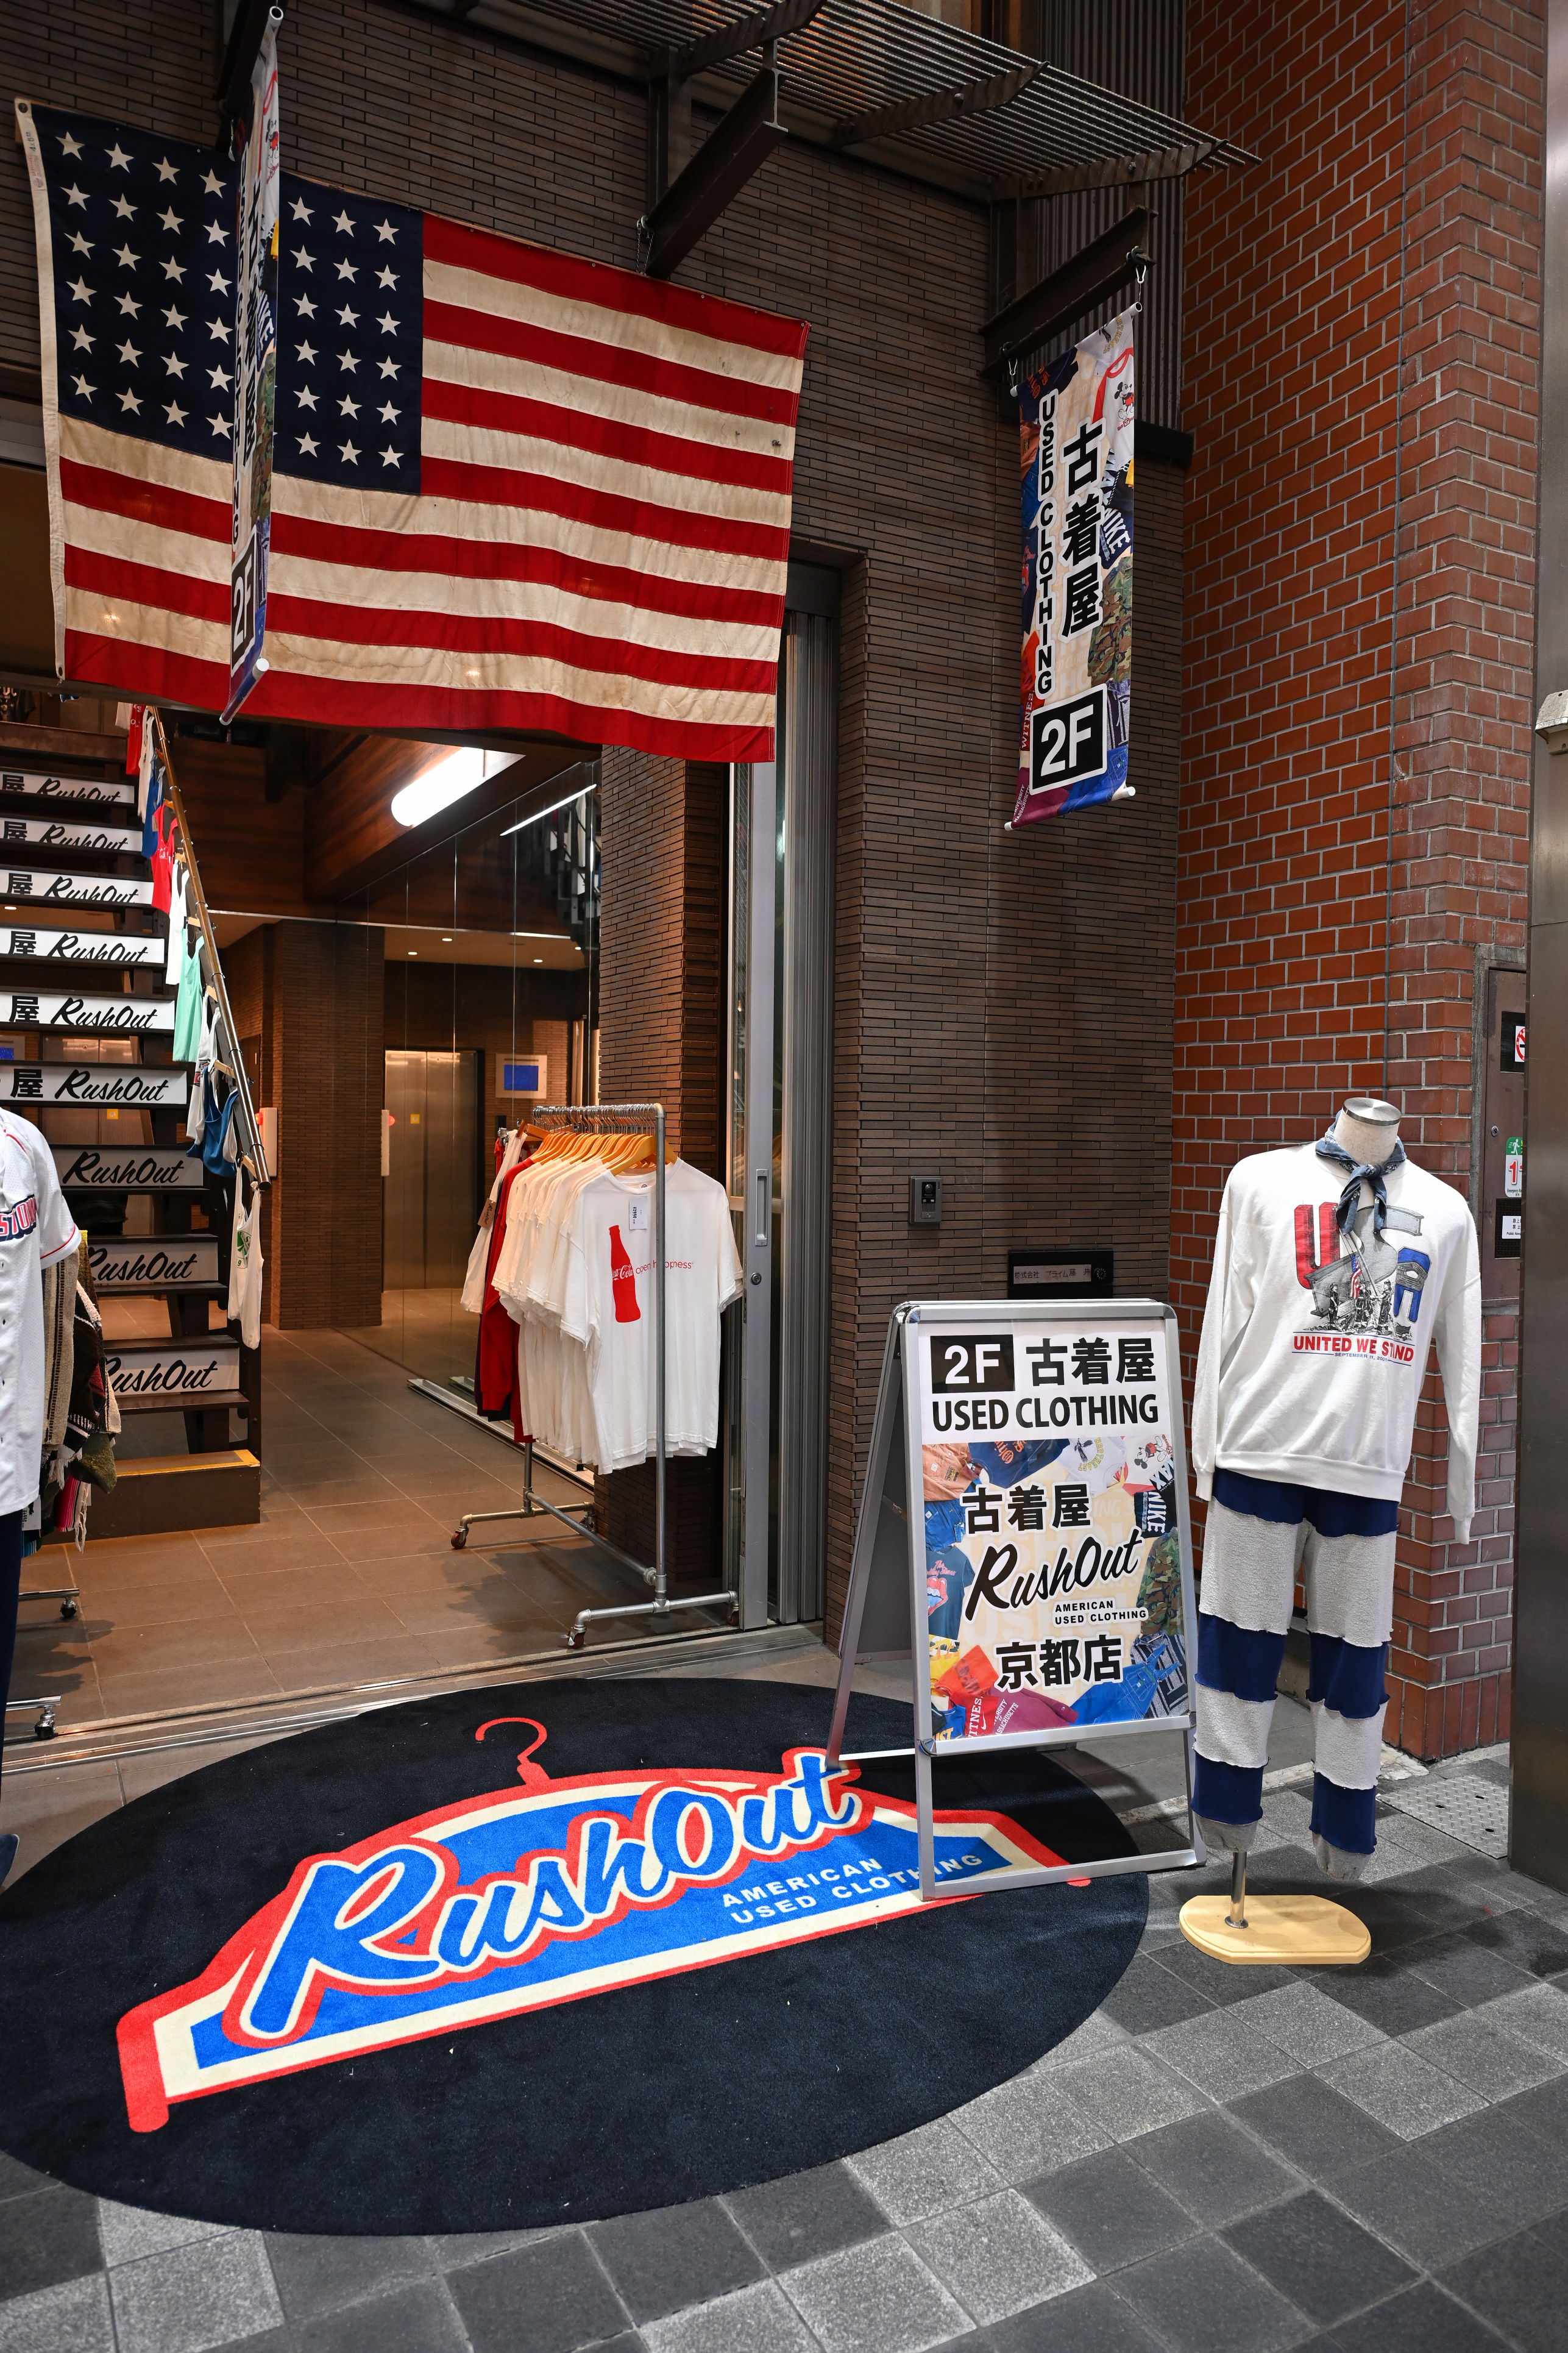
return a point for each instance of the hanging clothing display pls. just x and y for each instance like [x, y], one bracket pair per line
[246, 1266]
[36, 1231]
[569, 1264]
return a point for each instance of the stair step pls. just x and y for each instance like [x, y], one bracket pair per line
[153, 1375]
[94, 1085]
[44, 944]
[63, 833]
[43, 886]
[91, 1016]
[154, 1262]
[156, 1494]
[128, 1168]
[38, 784]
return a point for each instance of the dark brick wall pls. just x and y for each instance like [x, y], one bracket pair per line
[1360, 375]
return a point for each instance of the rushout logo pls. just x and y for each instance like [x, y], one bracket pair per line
[542, 1895]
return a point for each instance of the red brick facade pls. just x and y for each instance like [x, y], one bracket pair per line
[1361, 371]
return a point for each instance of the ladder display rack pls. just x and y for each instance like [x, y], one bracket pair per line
[616, 1119]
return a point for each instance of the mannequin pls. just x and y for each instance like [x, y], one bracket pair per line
[1337, 1265]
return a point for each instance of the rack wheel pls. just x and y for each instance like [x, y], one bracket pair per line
[574, 1640]
[44, 1727]
[460, 1539]
[734, 1618]
[70, 1609]
[589, 1521]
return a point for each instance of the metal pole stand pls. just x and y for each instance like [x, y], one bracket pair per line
[1287, 1931]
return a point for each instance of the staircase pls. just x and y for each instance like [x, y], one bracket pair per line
[91, 1017]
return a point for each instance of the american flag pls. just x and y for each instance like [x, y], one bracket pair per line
[511, 489]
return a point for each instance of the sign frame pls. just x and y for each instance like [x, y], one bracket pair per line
[886, 1596]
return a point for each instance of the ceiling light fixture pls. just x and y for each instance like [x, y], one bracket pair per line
[462, 771]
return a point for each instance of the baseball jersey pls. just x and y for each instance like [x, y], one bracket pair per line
[36, 1230]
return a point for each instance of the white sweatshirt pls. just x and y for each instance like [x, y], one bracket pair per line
[1311, 1360]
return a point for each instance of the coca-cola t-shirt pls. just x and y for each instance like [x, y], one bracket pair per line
[608, 1303]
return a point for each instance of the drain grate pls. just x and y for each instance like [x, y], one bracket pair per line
[1468, 1809]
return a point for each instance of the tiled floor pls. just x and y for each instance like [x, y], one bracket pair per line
[350, 1575]
[1221, 2161]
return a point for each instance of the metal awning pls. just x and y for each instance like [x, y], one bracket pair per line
[879, 81]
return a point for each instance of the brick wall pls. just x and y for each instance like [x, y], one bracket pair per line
[1361, 379]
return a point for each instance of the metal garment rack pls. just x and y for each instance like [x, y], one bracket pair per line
[616, 1119]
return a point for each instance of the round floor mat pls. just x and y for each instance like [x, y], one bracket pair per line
[545, 1952]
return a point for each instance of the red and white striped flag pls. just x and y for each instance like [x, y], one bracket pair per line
[511, 489]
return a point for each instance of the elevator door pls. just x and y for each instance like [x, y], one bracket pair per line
[433, 1168]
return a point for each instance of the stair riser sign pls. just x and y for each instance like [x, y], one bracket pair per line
[64, 788]
[53, 833]
[42, 889]
[96, 1084]
[84, 947]
[93, 1168]
[172, 1373]
[178, 1260]
[136, 1016]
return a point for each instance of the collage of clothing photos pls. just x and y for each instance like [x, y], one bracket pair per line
[1053, 1563]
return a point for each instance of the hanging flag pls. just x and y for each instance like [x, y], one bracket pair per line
[255, 372]
[509, 488]
[1075, 425]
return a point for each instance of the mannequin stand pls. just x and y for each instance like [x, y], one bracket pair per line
[1299, 1931]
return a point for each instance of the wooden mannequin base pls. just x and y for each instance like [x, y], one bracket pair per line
[1299, 1931]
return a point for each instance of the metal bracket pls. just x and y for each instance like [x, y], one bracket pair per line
[736, 148]
[1114, 259]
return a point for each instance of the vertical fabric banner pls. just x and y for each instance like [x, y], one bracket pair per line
[256, 375]
[1075, 425]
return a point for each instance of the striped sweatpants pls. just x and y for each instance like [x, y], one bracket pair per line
[1261, 1534]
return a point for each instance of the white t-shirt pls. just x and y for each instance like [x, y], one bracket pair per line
[608, 1303]
[35, 1228]
[1312, 1358]
[245, 1270]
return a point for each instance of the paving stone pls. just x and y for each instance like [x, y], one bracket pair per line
[320, 2274]
[806, 2215]
[1545, 2112]
[1099, 2032]
[71, 2319]
[453, 2249]
[1400, 2089]
[1498, 2155]
[1213, 2169]
[1491, 2062]
[1222, 1981]
[1318, 2257]
[759, 2319]
[1519, 2286]
[47, 2236]
[194, 2296]
[16, 2178]
[1468, 1971]
[1086, 2320]
[1537, 2015]
[1127, 2093]
[127, 2232]
[1201, 2298]
[1407, 2198]
[1033, 2124]
[1110, 2209]
[1304, 2022]
[1148, 1997]
[1421, 2321]
[1531, 1942]
[878, 2298]
[549, 2298]
[1388, 1994]
[1222, 2055]
[997, 2256]
[1316, 2127]
[415, 2319]
[923, 2170]
[673, 2256]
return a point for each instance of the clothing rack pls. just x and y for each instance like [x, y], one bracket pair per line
[616, 1119]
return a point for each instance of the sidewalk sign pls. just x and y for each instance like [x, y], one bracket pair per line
[1024, 1533]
